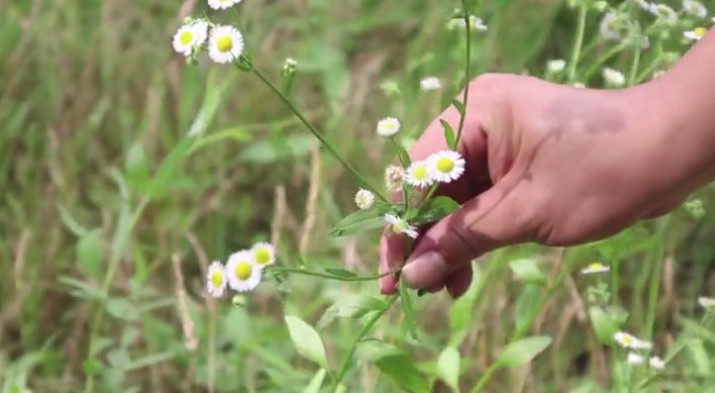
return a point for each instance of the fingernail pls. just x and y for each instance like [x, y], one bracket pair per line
[425, 270]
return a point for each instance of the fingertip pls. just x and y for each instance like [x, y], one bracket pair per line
[458, 282]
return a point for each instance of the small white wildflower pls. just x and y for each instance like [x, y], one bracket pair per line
[555, 66]
[656, 363]
[445, 166]
[613, 78]
[657, 74]
[388, 127]
[243, 272]
[264, 254]
[629, 341]
[643, 4]
[696, 34]
[695, 8]
[418, 175]
[390, 88]
[216, 279]
[290, 65]
[364, 199]
[222, 4]
[579, 85]
[610, 27]
[399, 225]
[394, 174]
[664, 12]
[634, 359]
[706, 302]
[474, 24]
[225, 44]
[595, 267]
[190, 37]
[430, 83]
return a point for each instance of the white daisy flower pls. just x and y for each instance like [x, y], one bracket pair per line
[430, 83]
[418, 175]
[264, 254]
[394, 174]
[445, 166]
[190, 37]
[222, 4]
[225, 44]
[706, 302]
[400, 225]
[243, 272]
[475, 23]
[388, 126]
[613, 78]
[596, 267]
[610, 27]
[695, 8]
[629, 341]
[634, 359]
[555, 66]
[696, 34]
[216, 280]
[656, 363]
[364, 199]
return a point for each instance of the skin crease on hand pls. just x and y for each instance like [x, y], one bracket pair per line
[546, 163]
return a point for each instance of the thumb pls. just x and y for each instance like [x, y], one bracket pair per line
[493, 219]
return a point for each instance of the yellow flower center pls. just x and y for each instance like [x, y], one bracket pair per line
[262, 256]
[445, 165]
[699, 31]
[421, 173]
[216, 279]
[627, 340]
[186, 37]
[243, 270]
[594, 266]
[224, 44]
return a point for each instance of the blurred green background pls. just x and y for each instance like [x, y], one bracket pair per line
[92, 100]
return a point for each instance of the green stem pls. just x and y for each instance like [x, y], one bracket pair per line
[655, 277]
[578, 41]
[599, 62]
[467, 76]
[634, 68]
[318, 135]
[485, 378]
[360, 336]
[332, 276]
[653, 65]
[115, 258]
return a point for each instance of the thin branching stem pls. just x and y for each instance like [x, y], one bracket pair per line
[329, 276]
[467, 70]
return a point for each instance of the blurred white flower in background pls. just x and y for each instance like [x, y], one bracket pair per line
[656, 363]
[364, 199]
[222, 4]
[634, 359]
[555, 66]
[190, 37]
[430, 83]
[629, 341]
[696, 34]
[595, 267]
[613, 78]
[394, 175]
[695, 8]
[243, 272]
[388, 126]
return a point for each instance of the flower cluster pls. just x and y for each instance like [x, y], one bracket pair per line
[224, 43]
[634, 344]
[242, 272]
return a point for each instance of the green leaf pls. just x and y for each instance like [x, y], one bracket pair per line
[316, 383]
[523, 351]
[459, 105]
[527, 304]
[449, 135]
[121, 309]
[606, 322]
[410, 324]
[136, 165]
[401, 369]
[528, 271]
[434, 209]
[149, 360]
[359, 221]
[352, 307]
[448, 367]
[307, 341]
[402, 153]
[89, 253]
[159, 183]
[81, 289]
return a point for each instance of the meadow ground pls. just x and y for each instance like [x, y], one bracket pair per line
[108, 218]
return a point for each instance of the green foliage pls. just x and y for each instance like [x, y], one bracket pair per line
[307, 341]
[523, 351]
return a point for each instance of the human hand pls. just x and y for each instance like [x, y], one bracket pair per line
[546, 163]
